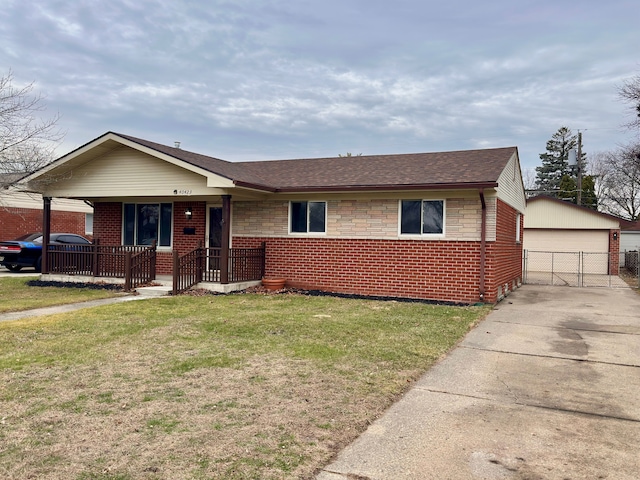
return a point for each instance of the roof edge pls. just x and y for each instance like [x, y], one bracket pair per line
[360, 188]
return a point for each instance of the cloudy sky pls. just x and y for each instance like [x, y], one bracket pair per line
[260, 79]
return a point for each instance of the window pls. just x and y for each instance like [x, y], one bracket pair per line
[308, 217]
[88, 223]
[422, 217]
[518, 224]
[146, 222]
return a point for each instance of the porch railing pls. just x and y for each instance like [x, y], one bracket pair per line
[204, 265]
[136, 264]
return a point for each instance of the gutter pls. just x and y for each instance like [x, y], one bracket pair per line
[374, 188]
[483, 244]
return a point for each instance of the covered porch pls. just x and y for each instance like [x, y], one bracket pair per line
[135, 266]
[220, 268]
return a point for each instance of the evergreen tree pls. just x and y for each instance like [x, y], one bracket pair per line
[568, 191]
[555, 162]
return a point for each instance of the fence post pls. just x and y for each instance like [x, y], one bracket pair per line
[94, 265]
[199, 261]
[176, 273]
[127, 271]
[152, 266]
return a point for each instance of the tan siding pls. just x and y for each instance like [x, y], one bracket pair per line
[551, 214]
[510, 187]
[34, 200]
[126, 172]
[359, 218]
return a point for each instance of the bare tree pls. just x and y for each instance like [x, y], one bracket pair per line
[619, 181]
[27, 141]
[599, 168]
[630, 92]
[529, 180]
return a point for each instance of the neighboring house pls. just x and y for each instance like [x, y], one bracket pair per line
[557, 226]
[630, 237]
[437, 226]
[21, 212]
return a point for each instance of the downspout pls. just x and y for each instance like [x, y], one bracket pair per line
[483, 243]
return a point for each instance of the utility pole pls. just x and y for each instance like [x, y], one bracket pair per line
[579, 164]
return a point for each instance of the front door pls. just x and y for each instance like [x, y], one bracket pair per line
[215, 237]
[215, 227]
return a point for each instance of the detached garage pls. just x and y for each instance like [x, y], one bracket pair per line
[567, 242]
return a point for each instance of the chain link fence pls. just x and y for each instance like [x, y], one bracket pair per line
[579, 269]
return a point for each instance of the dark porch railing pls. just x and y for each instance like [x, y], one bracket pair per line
[136, 264]
[204, 265]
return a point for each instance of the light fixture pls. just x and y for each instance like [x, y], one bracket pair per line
[188, 213]
[615, 235]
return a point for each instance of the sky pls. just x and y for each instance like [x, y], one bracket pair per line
[255, 79]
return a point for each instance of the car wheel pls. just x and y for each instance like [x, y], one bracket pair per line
[14, 268]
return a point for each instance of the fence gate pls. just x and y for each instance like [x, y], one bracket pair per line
[578, 269]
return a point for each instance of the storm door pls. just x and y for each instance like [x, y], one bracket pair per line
[215, 237]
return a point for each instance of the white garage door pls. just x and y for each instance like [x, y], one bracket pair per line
[584, 251]
[566, 240]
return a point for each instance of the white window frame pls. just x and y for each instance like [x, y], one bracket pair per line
[423, 235]
[308, 233]
[518, 227]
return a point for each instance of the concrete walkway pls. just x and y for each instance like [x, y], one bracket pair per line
[547, 387]
[6, 317]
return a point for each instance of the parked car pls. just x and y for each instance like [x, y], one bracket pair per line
[26, 251]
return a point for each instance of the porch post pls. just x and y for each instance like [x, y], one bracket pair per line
[226, 235]
[46, 232]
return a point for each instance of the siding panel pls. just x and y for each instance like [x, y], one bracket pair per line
[125, 172]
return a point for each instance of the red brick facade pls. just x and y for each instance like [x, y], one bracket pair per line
[504, 270]
[440, 270]
[614, 252]
[427, 269]
[108, 229]
[15, 222]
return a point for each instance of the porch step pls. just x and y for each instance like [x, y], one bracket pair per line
[156, 291]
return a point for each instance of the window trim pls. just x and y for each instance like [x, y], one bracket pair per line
[423, 235]
[308, 233]
[518, 227]
[135, 228]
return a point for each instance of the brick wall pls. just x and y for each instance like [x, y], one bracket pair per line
[504, 270]
[435, 270]
[107, 222]
[108, 229]
[15, 222]
[614, 252]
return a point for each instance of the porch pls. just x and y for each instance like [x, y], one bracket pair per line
[216, 269]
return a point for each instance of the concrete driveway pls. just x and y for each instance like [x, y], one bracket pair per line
[547, 387]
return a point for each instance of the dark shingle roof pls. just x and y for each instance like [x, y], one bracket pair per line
[427, 170]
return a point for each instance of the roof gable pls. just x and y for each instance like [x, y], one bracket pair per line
[548, 212]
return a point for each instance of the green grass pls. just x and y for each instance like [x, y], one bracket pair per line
[16, 295]
[238, 386]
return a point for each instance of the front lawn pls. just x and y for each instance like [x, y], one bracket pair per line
[16, 295]
[243, 386]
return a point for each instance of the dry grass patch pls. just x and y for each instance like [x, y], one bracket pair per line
[224, 387]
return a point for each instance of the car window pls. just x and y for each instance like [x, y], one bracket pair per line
[71, 239]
